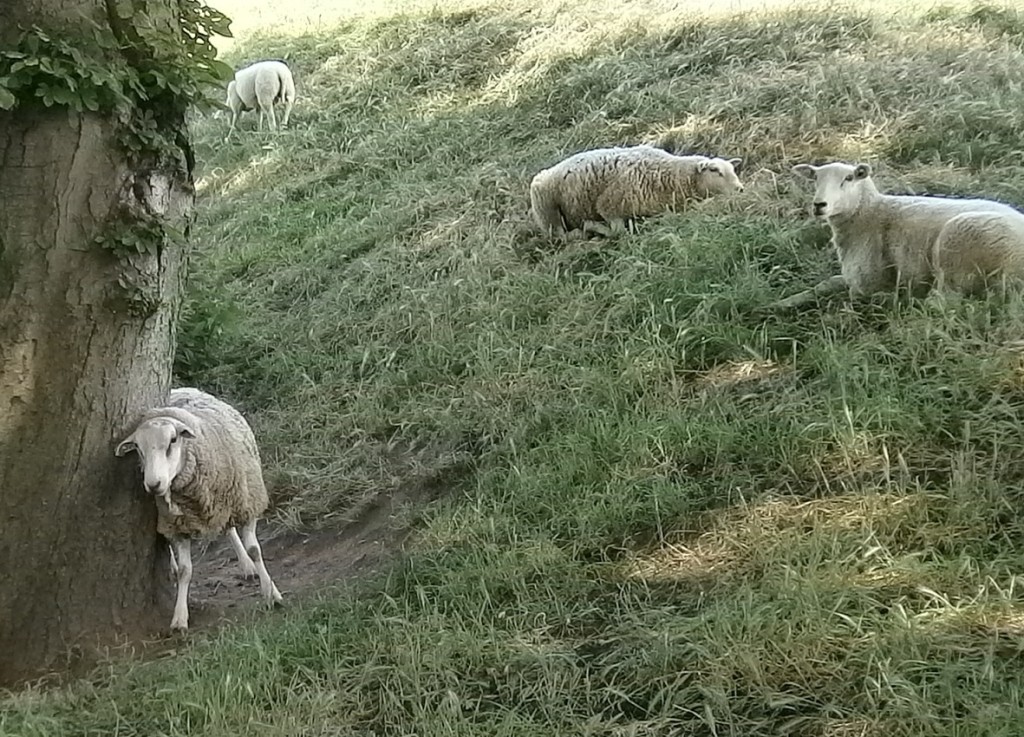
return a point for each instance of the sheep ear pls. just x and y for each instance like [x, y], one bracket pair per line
[805, 170]
[862, 171]
[703, 166]
[736, 164]
[183, 429]
[126, 446]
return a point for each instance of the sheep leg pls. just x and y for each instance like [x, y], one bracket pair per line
[248, 567]
[824, 288]
[173, 509]
[608, 208]
[615, 225]
[183, 552]
[252, 545]
[266, 109]
[174, 563]
[619, 225]
[287, 111]
[265, 103]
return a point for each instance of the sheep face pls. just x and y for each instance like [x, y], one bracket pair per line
[840, 187]
[718, 176]
[159, 443]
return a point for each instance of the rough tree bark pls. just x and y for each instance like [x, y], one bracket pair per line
[86, 342]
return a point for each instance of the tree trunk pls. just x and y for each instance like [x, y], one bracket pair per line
[86, 343]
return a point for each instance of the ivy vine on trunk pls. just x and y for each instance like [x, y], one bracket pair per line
[97, 191]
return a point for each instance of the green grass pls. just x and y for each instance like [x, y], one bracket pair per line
[679, 517]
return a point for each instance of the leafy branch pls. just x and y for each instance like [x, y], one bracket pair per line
[136, 67]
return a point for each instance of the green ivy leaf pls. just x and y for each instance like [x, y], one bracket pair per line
[222, 70]
[90, 99]
[220, 25]
[7, 100]
[174, 235]
[178, 71]
[66, 97]
[124, 10]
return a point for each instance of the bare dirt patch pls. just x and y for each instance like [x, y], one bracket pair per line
[305, 563]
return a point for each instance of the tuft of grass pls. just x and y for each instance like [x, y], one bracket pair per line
[666, 513]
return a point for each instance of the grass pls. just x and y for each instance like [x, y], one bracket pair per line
[678, 518]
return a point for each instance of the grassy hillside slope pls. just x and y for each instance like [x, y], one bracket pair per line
[667, 515]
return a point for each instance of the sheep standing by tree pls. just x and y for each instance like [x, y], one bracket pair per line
[602, 189]
[258, 87]
[887, 241]
[201, 462]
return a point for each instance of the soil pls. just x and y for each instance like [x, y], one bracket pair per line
[303, 563]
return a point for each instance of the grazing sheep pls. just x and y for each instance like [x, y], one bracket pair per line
[885, 241]
[259, 86]
[616, 185]
[200, 460]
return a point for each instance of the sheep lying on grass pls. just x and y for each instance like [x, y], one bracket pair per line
[200, 460]
[601, 189]
[259, 86]
[888, 241]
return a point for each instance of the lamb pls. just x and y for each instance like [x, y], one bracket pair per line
[200, 460]
[887, 241]
[259, 86]
[620, 184]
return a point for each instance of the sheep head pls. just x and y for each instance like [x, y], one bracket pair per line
[719, 176]
[159, 442]
[840, 187]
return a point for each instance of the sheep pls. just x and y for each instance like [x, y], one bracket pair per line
[259, 86]
[620, 184]
[200, 461]
[888, 241]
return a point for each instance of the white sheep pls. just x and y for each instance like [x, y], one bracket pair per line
[887, 241]
[201, 462]
[259, 86]
[613, 186]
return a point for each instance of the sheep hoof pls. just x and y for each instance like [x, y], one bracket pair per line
[179, 628]
[791, 303]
